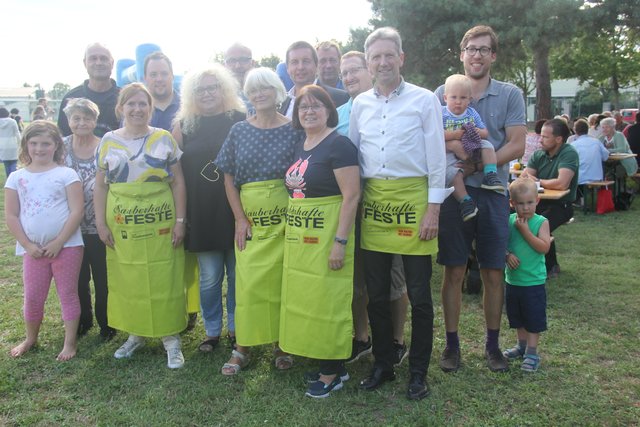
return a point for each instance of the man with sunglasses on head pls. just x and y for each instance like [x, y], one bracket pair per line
[502, 108]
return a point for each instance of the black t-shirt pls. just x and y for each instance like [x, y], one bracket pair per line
[106, 101]
[311, 174]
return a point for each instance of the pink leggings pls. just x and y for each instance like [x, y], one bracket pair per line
[37, 274]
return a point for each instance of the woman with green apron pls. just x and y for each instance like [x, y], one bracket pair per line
[140, 206]
[317, 286]
[254, 158]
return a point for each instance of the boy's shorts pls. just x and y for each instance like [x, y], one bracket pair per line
[527, 307]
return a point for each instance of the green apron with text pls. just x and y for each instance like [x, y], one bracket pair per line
[192, 281]
[259, 265]
[145, 273]
[392, 210]
[315, 319]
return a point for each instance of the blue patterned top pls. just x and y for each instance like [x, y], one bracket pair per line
[252, 154]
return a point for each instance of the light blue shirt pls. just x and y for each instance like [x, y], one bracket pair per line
[343, 117]
[591, 153]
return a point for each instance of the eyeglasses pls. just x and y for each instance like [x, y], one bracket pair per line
[261, 90]
[244, 60]
[200, 91]
[351, 71]
[471, 51]
[307, 108]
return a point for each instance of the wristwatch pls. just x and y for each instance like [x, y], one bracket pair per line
[181, 220]
[341, 241]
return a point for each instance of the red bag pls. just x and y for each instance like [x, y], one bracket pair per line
[604, 202]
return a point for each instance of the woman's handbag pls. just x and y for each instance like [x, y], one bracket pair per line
[604, 203]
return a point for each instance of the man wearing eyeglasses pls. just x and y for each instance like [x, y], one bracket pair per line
[158, 78]
[329, 64]
[502, 108]
[238, 59]
[302, 65]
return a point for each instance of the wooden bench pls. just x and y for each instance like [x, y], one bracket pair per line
[592, 187]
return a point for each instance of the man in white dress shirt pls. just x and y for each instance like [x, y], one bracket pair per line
[397, 127]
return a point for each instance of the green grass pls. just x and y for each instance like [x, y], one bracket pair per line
[589, 375]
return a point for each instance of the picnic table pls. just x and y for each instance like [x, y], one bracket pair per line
[549, 194]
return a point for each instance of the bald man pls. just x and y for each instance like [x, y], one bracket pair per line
[99, 88]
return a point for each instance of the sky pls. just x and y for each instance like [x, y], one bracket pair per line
[44, 40]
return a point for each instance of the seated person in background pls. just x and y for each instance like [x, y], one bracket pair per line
[532, 143]
[525, 297]
[615, 142]
[556, 167]
[591, 153]
[633, 138]
[465, 137]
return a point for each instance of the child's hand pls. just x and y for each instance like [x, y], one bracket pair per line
[455, 146]
[34, 250]
[53, 248]
[513, 261]
[522, 225]
[105, 235]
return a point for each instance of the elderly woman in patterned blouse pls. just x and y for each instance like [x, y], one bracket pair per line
[254, 159]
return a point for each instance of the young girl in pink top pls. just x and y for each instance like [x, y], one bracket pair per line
[43, 209]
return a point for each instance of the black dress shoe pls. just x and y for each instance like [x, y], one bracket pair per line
[376, 379]
[418, 388]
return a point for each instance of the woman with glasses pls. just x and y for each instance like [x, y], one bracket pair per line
[254, 158]
[324, 187]
[210, 106]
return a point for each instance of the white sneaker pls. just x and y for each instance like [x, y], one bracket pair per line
[175, 359]
[129, 347]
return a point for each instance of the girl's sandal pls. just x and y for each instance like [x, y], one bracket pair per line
[230, 369]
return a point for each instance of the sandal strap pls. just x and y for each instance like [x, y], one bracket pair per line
[243, 357]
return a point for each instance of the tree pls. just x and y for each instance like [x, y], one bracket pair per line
[605, 53]
[270, 61]
[356, 40]
[431, 31]
[59, 90]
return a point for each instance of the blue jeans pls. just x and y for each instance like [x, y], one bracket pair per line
[10, 166]
[212, 266]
